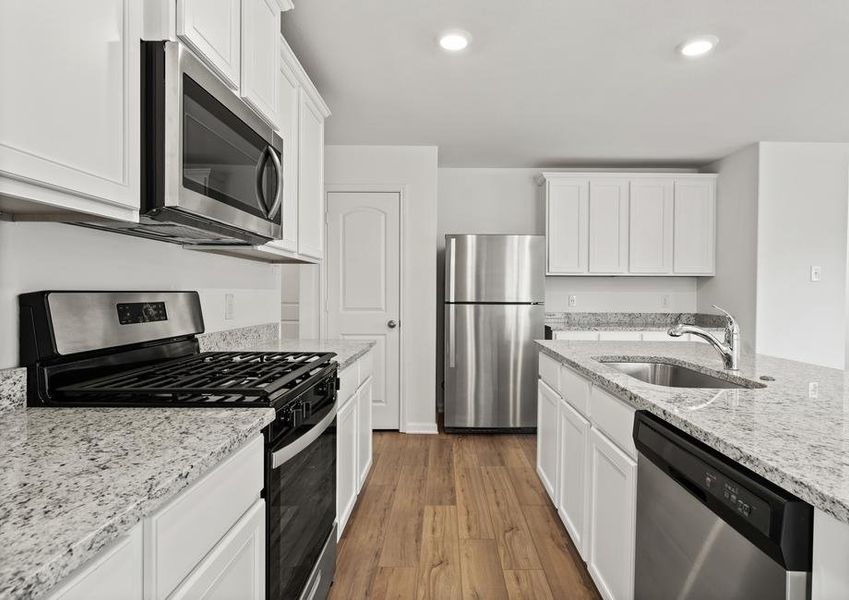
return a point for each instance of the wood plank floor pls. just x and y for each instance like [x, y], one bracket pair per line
[444, 517]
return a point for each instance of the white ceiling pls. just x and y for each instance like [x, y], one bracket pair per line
[549, 83]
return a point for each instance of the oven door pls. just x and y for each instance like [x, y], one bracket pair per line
[219, 160]
[301, 503]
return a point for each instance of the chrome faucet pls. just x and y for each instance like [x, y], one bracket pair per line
[729, 349]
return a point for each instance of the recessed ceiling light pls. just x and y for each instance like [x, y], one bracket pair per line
[454, 41]
[698, 46]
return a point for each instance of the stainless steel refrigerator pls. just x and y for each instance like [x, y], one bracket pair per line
[494, 294]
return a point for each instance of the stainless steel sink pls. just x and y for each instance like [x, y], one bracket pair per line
[669, 375]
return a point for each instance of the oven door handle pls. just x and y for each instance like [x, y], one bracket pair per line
[288, 452]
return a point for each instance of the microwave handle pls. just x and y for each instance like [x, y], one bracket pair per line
[260, 170]
[278, 198]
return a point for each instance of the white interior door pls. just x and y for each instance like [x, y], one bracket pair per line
[363, 286]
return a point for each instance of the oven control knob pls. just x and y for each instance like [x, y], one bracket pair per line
[297, 415]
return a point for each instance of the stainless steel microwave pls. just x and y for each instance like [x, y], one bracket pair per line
[211, 168]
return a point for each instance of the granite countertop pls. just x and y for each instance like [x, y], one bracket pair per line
[621, 327]
[619, 321]
[72, 480]
[794, 438]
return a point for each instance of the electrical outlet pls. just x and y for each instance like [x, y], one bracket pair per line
[664, 300]
[573, 301]
[229, 307]
[816, 273]
[813, 389]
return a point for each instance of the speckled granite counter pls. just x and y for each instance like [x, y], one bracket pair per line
[74, 479]
[619, 321]
[798, 442]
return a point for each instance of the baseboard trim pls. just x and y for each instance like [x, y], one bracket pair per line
[426, 428]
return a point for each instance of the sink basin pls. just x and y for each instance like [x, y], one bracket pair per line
[668, 375]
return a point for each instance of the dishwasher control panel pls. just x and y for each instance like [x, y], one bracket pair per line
[739, 499]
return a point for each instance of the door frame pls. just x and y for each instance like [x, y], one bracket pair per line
[401, 190]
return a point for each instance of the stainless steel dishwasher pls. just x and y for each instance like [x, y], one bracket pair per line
[708, 528]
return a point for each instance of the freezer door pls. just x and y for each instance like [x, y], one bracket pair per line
[494, 268]
[491, 365]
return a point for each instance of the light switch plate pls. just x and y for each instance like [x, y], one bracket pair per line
[816, 273]
[229, 307]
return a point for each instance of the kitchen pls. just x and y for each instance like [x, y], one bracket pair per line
[197, 209]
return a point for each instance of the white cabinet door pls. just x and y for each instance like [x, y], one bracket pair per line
[608, 226]
[364, 433]
[695, 236]
[235, 568]
[212, 29]
[612, 535]
[288, 91]
[260, 56]
[566, 226]
[573, 494]
[346, 461]
[547, 410]
[650, 230]
[70, 110]
[310, 179]
[115, 573]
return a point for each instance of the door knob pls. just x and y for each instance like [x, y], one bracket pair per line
[392, 324]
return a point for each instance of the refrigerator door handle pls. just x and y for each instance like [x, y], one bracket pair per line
[452, 336]
[451, 257]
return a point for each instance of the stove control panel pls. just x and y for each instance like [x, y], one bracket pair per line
[131, 313]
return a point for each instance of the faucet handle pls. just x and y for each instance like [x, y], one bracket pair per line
[731, 321]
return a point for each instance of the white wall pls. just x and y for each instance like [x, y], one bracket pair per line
[734, 285]
[415, 168]
[802, 221]
[38, 256]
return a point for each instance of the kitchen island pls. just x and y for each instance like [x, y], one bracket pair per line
[788, 423]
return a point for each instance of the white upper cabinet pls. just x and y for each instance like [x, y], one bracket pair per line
[69, 113]
[608, 226]
[260, 56]
[567, 223]
[650, 241]
[630, 223]
[695, 235]
[288, 90]
[212, 28]
[310, 179]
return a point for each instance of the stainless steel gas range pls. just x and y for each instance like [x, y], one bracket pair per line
[140, 349]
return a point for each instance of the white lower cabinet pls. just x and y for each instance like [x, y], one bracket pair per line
[586, 461]
[208, 542]
[364, 440]
[116, 573]
[236, 566]
[346, 461]
[573, 489]
[547, 443]
[613, 502]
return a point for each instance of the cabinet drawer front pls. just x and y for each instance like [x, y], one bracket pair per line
[348, 383]
[236, 566]
[620, 336]
[615, 418]
[576, 390]
[181, 534]
[549, 371]
[366, 364]
[575, 335]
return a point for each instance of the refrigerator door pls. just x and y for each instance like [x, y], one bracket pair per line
[494, 268]
[491, 365]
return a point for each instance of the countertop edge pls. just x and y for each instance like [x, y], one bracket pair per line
[58, 568]
[775, 474]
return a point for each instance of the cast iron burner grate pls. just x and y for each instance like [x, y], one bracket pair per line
[208, 377]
